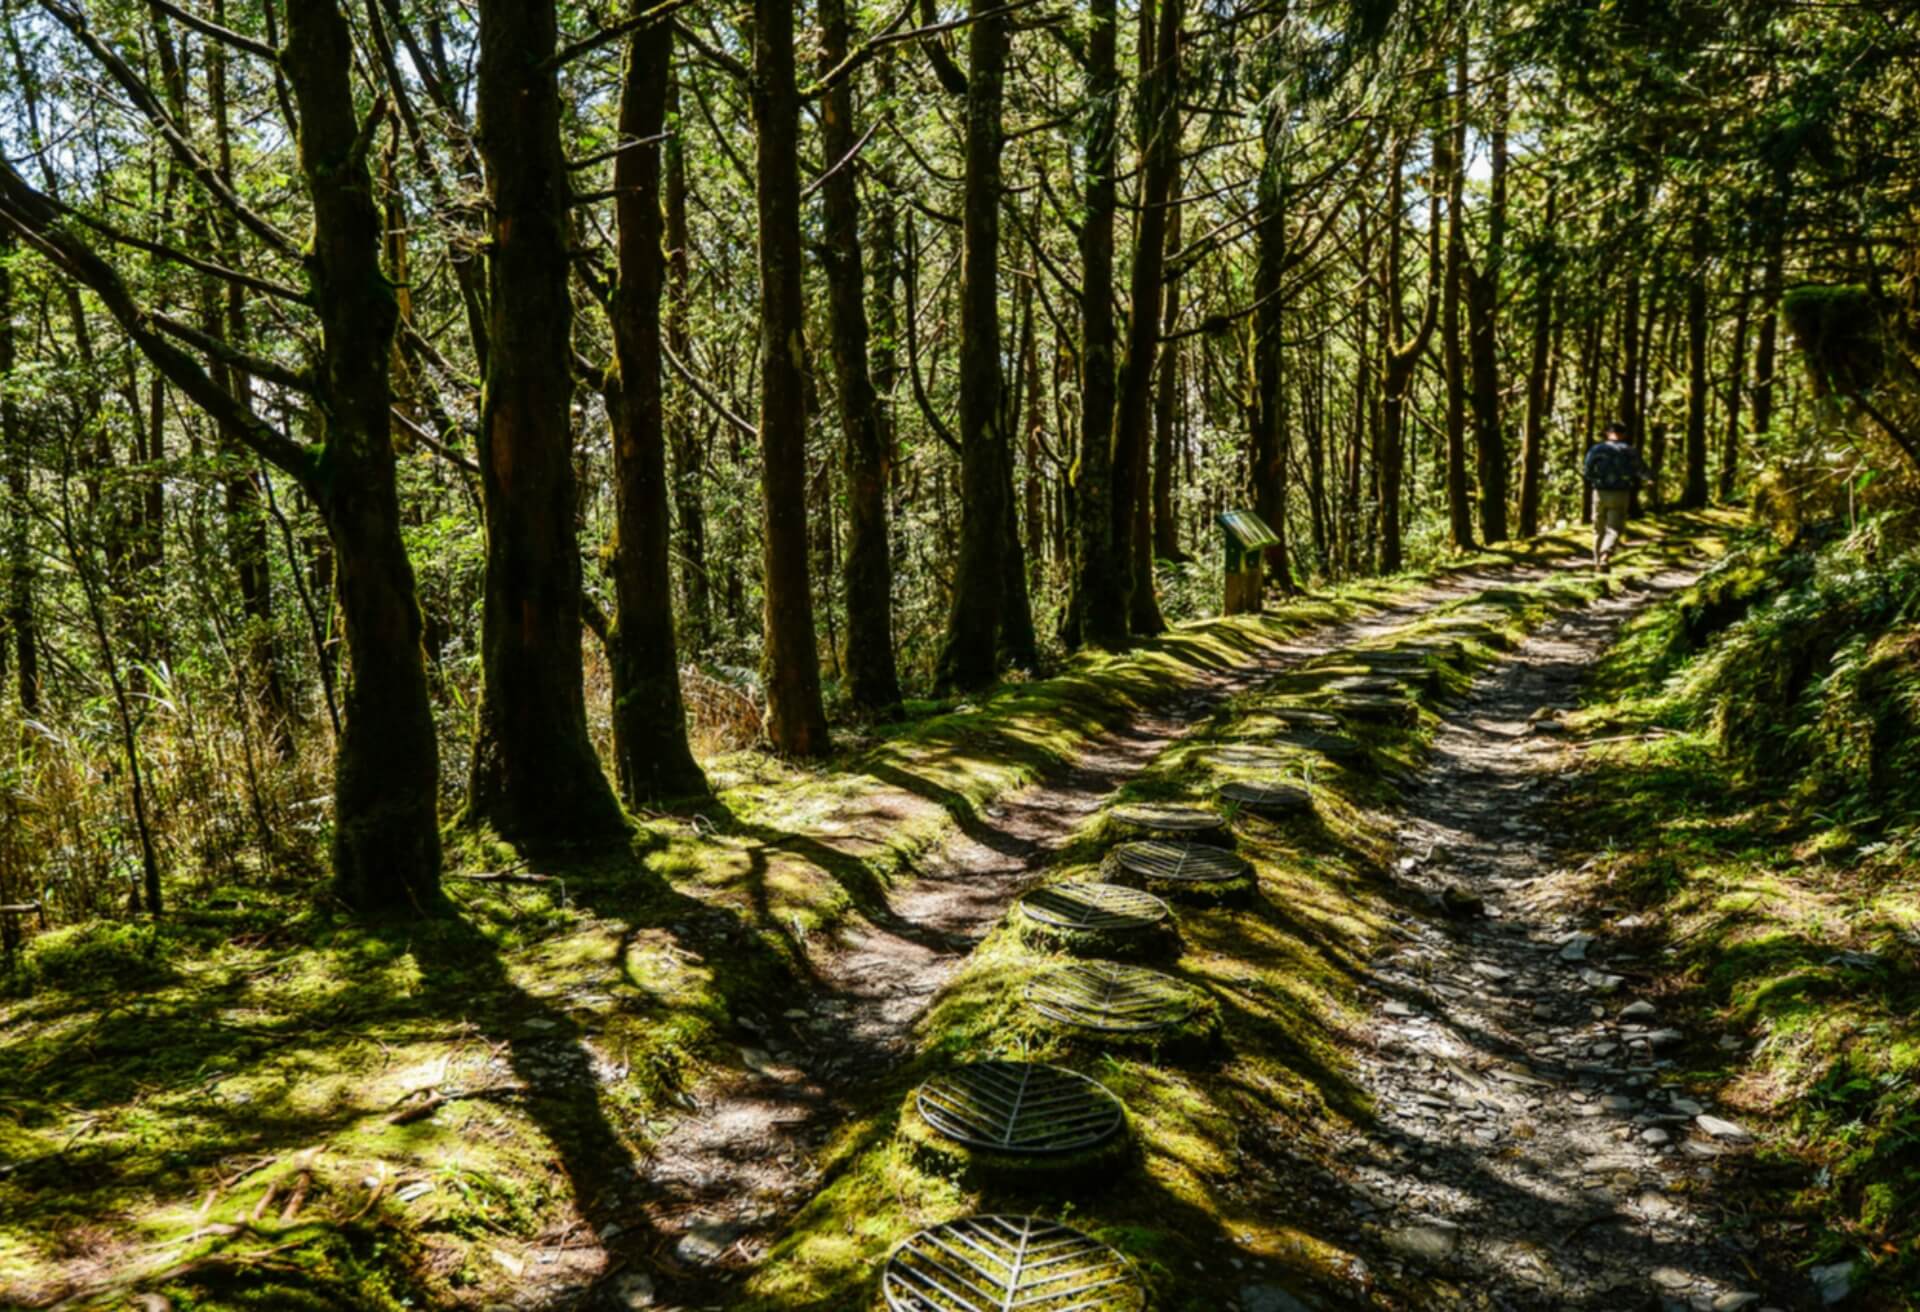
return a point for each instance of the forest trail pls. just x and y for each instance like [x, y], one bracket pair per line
[1526, 1145]
[726, 1175]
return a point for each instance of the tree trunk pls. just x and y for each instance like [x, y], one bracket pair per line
[796, 720]
[685, 450]
[1400, 355]
[1736, 389]
[1694, 494]
[1534, 439]
[969, 657]
[22, 632]
[1166, 526]
[1159, 118]
[1772, 287]
[651, 757]
[1266, 459]
[386, 841]
[1483, 312]
[1450, 150]
[535, 776]
[872, 682]
[1097, 609]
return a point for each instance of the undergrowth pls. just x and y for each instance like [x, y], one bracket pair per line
[1768, 786]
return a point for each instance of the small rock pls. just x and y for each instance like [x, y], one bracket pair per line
[1834, 1282]
[1574, 947]
[1429, 1238]
[1655, 1135]
[632, 1289]
[706, 1242]
[1734, 1302]
[1720, 1129]
[1671, 1278]
[1456, 901]
[1666, 1038]
[1270, 1298]
[1639, 1011]
[1687, 1107]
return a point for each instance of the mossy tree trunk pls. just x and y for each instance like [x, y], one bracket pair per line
[652, 760]
[535, 776]
[796, 720]
[873, 682]
[969, 656]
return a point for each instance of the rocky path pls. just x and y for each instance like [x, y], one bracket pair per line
[1532, 1149]
[723, 1179]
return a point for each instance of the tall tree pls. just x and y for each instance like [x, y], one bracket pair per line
[1533, 441]
[1159, 112]
[796, 720]
[1483, 314]
[970, 656]
[1266, 458]
[873, 682]
[1097, 612]
[535, 775]
[1450, 151]
[651, 757]
[1400, 350]
[1693, 494]
[386, 841]
[22, 634]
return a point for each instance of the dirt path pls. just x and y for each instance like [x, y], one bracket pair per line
[724, 1178]
[1531, 1150]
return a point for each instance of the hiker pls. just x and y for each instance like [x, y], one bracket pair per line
[1613, 470]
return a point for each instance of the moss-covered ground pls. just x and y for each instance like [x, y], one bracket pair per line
[1750, 786]
[260, 1103]
[1222, 1128]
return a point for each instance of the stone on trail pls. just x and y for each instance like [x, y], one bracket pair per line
[1720, 1129]
[1574, 947]
[1429, 1238]
[1270, 1298]
[632, 1289]
[1834, 1282]
[706, 1242]
[1639, 1011]
[1734, 1302]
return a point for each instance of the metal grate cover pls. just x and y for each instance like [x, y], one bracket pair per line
[1019, 1107]
[1107, 996]
[1096, 908]
[1000, 1263]
[1179, 863]
[1168, 818]
[1266, 799]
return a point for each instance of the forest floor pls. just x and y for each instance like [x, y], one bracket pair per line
[613, 1087]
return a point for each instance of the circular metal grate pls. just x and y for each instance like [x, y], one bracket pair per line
[1167, 818]
[1179, 863]
[1019, 1107]
[1096, 908]
[999, 1263]
[1266, 799]
[1107, 996]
